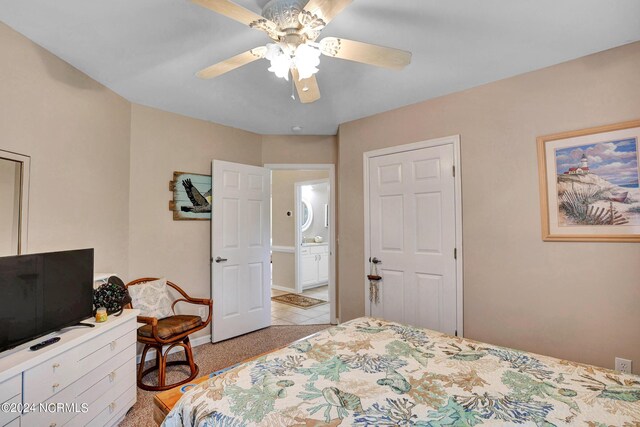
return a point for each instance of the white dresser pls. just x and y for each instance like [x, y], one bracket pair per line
[88, 378]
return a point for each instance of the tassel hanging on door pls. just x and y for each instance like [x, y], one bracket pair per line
[374, 280]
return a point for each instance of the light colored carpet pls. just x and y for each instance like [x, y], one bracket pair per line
[213, 357]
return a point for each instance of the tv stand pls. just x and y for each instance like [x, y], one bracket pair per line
[95, 366]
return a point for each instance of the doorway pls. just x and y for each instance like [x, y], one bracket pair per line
[303, 242]
[413, 234]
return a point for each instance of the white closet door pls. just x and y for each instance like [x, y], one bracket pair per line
[413, 234]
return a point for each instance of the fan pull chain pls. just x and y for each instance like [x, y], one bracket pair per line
[293, 88]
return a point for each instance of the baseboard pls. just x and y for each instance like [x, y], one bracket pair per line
[315, 285]
[194, 343]
[283, 289]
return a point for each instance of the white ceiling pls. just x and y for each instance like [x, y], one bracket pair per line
[149, 50]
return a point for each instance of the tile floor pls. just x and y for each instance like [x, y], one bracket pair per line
[283, 314]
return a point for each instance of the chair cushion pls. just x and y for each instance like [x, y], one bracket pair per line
[151, 298]
[171, 326]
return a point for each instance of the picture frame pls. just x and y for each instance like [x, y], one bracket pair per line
[192, 196]
[589, 189]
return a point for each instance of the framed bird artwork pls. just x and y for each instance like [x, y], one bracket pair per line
[191, 196]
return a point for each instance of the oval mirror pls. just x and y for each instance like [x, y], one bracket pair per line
[307, 215]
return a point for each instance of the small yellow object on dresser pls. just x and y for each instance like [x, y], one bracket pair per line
[101, 315]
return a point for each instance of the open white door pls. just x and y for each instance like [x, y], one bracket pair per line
[240, 249]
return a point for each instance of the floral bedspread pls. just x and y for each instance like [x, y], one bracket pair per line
[370, 372]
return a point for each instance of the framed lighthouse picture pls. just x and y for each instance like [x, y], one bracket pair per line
[589, 187]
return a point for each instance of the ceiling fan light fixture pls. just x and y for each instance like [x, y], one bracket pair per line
[294, 26]
[306, 60]
[280, 61]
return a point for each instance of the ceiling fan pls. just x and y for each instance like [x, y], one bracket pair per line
[294, 26]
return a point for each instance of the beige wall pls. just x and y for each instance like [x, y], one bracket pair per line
[299, 149]
[283, 270]
[162, 143]
[283, 227]
[77, 134]
[570, 300]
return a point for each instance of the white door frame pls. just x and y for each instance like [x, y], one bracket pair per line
[453, 140]
[23, 238]
[298, 235]
[332, 224]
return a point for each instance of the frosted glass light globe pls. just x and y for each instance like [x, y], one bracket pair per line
[280, 61]
[306, 60]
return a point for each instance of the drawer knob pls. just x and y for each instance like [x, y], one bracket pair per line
[56, 385]
[53, 425]
[112, 376]
[112, 406]
[113, 345]
[56, 365]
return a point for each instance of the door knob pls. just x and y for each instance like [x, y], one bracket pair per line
[219, 260]
[375, 260]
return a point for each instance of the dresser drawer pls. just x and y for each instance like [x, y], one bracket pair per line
[102, 340]
[109, 349]
[7, 417]
[10, 388]
[115, 407]
[48, 378]
[318, 249]
[54, 417]
[88, 381]
[107, 403]
[106, 338]
[108, 381]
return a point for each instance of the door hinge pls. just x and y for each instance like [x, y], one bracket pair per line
[455, 253]
[456, 332]
[454, 170]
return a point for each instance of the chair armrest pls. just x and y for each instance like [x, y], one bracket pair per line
[153, 322]
[198, 301]
[148, 320]
[201, 301]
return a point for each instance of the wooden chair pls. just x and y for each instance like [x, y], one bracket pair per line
[171, 331]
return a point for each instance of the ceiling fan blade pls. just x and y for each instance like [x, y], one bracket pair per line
[326, 9]
[240, 14]
[232, 63]
[308, 90]
[366, 53]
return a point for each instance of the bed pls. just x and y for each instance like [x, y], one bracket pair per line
[370, 372]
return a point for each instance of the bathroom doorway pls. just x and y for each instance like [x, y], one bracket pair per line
[303, 244]
[312, 232]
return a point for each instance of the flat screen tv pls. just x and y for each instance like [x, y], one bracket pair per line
[42, 293]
